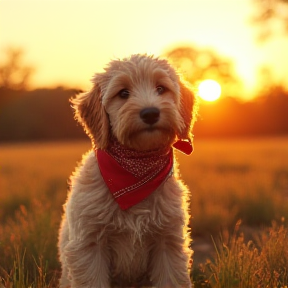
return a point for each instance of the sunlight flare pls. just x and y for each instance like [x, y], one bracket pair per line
[209, 90]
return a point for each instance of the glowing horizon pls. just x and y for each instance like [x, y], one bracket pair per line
[68, 43]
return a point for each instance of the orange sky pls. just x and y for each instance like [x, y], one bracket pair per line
[69, 40]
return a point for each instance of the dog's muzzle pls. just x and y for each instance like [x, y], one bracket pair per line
[150, 115]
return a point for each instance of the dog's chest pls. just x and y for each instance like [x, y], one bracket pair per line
[129, 255]
[130, 241]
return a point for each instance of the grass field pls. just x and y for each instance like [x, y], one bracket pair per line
[229, 180]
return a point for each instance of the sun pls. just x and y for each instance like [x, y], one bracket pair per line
[209, 90]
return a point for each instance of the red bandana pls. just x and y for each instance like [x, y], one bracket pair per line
[184, 146]
[132, 175]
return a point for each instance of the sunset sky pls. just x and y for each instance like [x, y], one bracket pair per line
[69, 40]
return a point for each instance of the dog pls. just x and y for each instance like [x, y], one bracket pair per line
[126, 216]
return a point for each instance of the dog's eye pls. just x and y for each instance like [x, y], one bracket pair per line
[160, 90]
[124, 93]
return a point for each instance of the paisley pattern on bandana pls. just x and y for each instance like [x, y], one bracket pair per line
[139, 163]
[132, 175]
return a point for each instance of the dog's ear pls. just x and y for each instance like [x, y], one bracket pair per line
[90, 112]
[188, 111]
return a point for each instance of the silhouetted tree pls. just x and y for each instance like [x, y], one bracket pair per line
[198, 64]
[13, 73]
[270, 16]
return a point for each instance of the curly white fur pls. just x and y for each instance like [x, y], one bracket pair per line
[100, 245]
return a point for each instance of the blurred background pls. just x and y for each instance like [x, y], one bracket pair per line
[234, 53]
[49, 50]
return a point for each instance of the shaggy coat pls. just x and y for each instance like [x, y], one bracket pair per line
[101, 245]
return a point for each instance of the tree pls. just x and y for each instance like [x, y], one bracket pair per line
[13, 73]
[198, 64]
[271, 16]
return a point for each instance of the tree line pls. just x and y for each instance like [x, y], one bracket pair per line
[46, 114]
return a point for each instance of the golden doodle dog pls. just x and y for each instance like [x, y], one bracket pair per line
[126, 216]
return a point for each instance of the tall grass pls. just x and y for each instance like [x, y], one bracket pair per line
[229, 180]
[33, 189]
[236, 179]
[260, 263]
[28, 246]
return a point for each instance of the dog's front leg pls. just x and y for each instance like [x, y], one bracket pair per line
[88, 264]
[169, 260]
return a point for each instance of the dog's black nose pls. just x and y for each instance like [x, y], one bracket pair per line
[150, 115]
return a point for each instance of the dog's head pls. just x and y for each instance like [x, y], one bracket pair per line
[139, 100]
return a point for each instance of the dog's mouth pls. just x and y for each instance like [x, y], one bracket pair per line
[151, 129]
[150, 137]
[154, 128]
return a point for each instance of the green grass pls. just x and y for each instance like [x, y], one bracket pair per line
[229, 180]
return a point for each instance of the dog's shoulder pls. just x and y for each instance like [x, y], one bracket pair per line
[88, 190]
[87, 169]
[87, 179]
